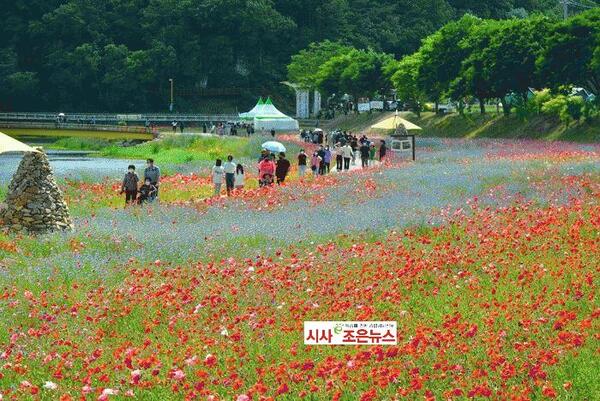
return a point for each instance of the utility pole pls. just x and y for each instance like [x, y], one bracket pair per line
[171, 105]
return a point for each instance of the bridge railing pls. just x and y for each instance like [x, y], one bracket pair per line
[104, 117]
[71, 126]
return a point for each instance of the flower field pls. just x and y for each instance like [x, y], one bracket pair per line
[486, 253]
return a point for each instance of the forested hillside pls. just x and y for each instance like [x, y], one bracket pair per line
[118, 55]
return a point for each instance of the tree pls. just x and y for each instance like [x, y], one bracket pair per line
[509, 59]
[359, 73]
[22, 89]
[442, 56]
[473, 79]
[404, 77]
[305, 65]
[572, 53]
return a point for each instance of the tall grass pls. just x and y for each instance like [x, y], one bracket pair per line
[185, 149]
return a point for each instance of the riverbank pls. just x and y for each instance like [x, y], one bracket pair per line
[474, 125]
[73, 133]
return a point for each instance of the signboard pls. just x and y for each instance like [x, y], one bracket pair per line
[364, 107]
[404, 145]
[376, 105]
[350, 333]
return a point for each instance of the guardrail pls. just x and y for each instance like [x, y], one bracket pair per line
[70, 126]
[104, 117]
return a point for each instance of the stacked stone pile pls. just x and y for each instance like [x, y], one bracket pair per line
[34, 203]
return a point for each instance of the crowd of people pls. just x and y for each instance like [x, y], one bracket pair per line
[272, 167]
[346, 148]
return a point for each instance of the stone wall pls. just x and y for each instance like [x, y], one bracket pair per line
[34, 203]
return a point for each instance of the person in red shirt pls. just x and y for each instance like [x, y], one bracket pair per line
[266, 170]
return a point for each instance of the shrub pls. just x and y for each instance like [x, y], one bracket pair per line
[525, 108]
[540, 98]
[575, 106]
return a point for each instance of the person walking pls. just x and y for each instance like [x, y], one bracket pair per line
[347, 153]
[273, 132]
[372, 152]
[239, 177]
[327, 160]
[282, 169]
[354, 146]
[382, 150]
[302, 163]
[321, 153]
[229, 169]
[364, 154]
[130, 185]
[315, 162]
[181, 126]
[339, 158]
[174, 126]
[152, 172]
[217, 176]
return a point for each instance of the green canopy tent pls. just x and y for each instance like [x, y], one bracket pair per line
[255, 110]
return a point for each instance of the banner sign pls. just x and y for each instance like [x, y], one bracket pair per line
[364, 107]
[350, 333]
[376, 105]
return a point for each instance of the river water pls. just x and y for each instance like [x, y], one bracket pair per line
[70, 164]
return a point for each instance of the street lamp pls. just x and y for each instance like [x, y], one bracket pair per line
[171, 105]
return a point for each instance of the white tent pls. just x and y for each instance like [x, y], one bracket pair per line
[255, 110]
[268, 118]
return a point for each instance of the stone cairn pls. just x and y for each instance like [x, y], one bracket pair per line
[34, 203]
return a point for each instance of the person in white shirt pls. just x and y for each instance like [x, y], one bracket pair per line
[217, 176]
[347, 153]
[229, 169]
[239, 177]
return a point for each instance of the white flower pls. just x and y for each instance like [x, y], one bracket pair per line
[224, 332]
[110, 391]
[50, 385]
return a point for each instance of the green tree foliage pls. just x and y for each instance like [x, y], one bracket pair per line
[473, 78]
[119, 54]
[404, 76]
[442, 56]
[305, 65]
[572, 52]
[360, 73]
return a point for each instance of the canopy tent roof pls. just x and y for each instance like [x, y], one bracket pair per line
[8, 144]
[394, 122]
[269, 111]
[264, 110]
[250, 114]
